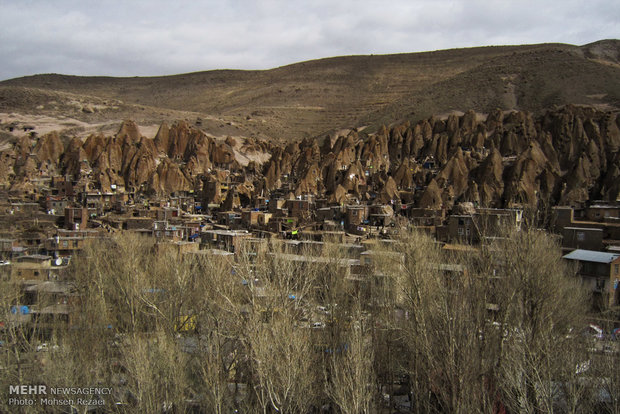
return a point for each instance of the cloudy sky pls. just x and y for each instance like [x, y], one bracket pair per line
[155, 37]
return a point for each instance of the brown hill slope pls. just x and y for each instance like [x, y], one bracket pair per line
[310, 98]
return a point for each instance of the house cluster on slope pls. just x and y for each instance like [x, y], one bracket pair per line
[591, 239]
[39, 237]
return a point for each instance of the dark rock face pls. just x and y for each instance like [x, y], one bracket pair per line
[504, 159]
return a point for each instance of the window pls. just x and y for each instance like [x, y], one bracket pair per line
[460, 231]
[581, 236]
[617, 269]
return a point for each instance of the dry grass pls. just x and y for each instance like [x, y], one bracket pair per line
[311, 98]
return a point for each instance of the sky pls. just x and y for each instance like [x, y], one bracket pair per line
[155, 37]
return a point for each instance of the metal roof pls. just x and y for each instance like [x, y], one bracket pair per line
[36, 257]
[591, 256]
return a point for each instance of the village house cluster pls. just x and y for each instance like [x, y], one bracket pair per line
[40, 236]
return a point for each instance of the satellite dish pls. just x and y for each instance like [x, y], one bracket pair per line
[58, 261]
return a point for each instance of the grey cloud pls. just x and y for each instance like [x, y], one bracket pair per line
[161, 37]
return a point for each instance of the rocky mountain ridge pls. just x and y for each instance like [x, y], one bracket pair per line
[502, 159]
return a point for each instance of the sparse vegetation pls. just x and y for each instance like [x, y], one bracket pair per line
[311, 98]
[412, 328]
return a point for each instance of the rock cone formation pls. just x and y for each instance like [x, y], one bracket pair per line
[505, 159]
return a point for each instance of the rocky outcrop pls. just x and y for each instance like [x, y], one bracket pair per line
[455, 174]
[502, 159]
[389, 192]
[432, 196]
[488, 178]
[339, 196]
[169, 178]
[49, 149]
[75, 159]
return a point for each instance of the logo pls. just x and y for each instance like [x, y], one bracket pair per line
[28, 389]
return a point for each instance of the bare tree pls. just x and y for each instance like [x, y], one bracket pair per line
[540, 305]
[156, 372]
[273, 331]
[350, 374]
[284, 363]
[280, 347]
[606, 377]
[17, 351]
[220, 329]
[489, 327]
[444, 327]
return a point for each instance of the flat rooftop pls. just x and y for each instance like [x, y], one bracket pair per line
[591, 256]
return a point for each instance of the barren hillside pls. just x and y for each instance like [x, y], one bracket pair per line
[311, 98]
